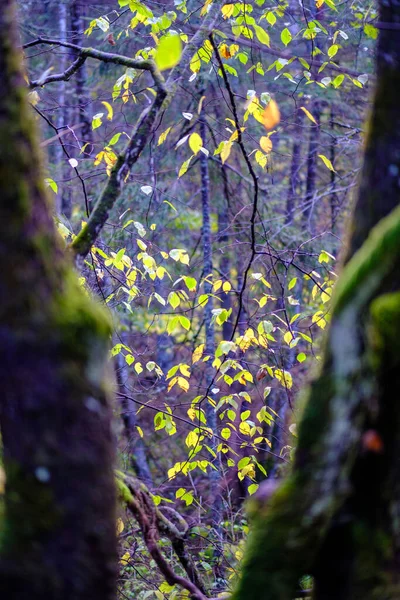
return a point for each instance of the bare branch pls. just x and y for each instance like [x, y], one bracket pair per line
[141, 133]
[152, 521]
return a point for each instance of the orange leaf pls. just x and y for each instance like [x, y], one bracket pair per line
[224, 51]
[271, 115]
[372, 441]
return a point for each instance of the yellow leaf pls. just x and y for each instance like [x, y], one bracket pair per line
[168, 52]
[271, 115]
[184, 168]
[171, 384]
[216, 285]
[226, 433]
[197, 353]
[244, 428]
[192, 439]
[266, 144]
[138, 368]
[261, 159]
[185, 370]
[226, 150]
[195, 63]
[288, 337]
[226, 287]
[284, 378]
[163, 136]
[195, 143]
[120, 525]
[140, 430]
[327, 162]
[183, 383]
[110, 111]
[309, 115]
[205, 7]
[227, 10]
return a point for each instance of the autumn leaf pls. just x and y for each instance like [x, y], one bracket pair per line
[224, 51]
[308, 114]
[266, 144]
[271, 115]
[195, 143]
[326, 162]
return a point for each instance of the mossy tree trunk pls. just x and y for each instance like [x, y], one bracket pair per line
[57, 529]
[337, 515]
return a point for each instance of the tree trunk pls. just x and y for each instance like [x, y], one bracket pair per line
[77, 27]
[58, 526]
[293, 191]
[337, 515]
[308, 214]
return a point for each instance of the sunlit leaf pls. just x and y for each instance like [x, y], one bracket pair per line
[308, 114]
[271, 115]
[195, 143]
[168, 52]
[326, 162]
[266, 144]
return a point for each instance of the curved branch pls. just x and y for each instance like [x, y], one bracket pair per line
[152, 522]
[141, 133]
[106, 57]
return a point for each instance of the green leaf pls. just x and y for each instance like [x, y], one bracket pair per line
[286, 36]
[262, 35]
[185, 322]
[168, 52]
[129, 359]
[301, 357]
[51, 184]
[252, 488]
[332, 51]
[271, 18]
[174, 300]
[190, 283]
[337, 82]
[97, 120]
[371, 31]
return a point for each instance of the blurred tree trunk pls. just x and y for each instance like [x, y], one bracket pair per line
[77, 27]
[294, 182]
[135, 445]
[315, 132]
[337, 516]
[58, 523]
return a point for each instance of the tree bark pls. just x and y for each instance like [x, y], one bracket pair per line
[58, 537]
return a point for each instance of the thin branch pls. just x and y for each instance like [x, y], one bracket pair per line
[152, 522]
[253, 177]
[106, 57]
[140, 135]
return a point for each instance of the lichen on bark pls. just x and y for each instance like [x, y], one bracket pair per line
[58, 538]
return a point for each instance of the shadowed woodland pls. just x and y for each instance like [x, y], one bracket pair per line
[199, 300]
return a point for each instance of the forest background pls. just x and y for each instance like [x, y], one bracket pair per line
[203, 197]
